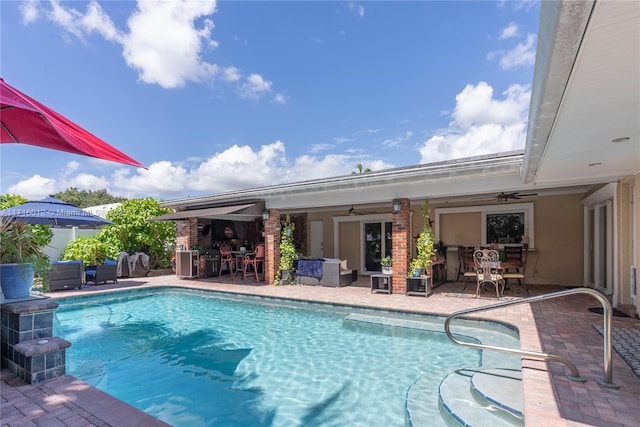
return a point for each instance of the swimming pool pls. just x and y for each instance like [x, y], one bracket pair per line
[197, 358]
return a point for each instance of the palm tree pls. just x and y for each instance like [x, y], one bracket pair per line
[361, 169]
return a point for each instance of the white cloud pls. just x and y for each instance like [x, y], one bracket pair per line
[97, 21]
[509, 31]
[238, 167]
[481, 124]
[67, 19]
[524, 54]
[161, 178]
[279, 98]
[30, 11]
[357, 8]
[34, 188]
[395, 142]
[72, 166]
[164, 44]
[254, 87]
[316, 148]
[342, 139]
[85, 181]
[309, 167]
[165, 41]
[231, 74]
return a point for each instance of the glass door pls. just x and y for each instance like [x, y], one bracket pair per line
[599, 247]
[377, 243]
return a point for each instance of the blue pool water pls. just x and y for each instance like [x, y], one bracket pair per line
[195, 358]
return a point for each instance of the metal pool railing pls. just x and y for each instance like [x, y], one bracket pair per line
[575, 375]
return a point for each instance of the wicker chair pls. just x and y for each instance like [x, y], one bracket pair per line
[65, 275]
[102, 273]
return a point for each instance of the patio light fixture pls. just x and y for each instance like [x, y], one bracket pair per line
[396, 206]
[265, 215]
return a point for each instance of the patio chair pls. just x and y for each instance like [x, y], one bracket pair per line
[102, 273]
[466, 266]
[253, 260]
[487, 264]
[515, 256]
[65, 275]
[227, 257]
[515, 265]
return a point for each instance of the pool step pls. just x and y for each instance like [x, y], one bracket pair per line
[470, 397]
[481, 397]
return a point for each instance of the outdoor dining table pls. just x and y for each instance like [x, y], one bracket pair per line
[239, 255]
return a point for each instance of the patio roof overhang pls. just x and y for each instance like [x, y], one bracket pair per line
[584, 98]
[245, 212]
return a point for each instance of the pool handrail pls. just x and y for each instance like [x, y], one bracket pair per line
[575, 375]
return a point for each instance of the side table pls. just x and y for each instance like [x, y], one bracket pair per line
[419, 285]
[381, 283]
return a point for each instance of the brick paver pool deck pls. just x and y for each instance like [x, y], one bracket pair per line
[563, 326]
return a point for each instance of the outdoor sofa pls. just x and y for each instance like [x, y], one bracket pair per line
[65, 275]
[324, 272]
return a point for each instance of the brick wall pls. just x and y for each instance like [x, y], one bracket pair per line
[187, 233]
[400, 246]
[272, 245]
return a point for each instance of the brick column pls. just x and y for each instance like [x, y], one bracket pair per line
[187, 233]
[272, 246]
[400, 247]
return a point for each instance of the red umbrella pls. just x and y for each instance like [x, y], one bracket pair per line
[25, 120]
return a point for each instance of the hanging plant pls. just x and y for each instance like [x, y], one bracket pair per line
[288, 252]
[424, 246]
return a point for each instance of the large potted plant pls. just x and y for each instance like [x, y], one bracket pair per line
[419, 266]
[21, 257]
[288, 253]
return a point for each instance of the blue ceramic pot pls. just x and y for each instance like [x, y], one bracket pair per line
[16, 280]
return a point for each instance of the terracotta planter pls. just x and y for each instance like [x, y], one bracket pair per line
[16, 280]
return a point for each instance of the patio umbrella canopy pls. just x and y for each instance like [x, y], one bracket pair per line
[54, 212]
[24, 120]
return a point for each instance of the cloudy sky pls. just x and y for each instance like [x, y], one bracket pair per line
[218, 96]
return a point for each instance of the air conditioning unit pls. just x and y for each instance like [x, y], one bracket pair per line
[187, 264]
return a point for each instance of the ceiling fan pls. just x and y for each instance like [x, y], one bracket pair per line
[504, 197]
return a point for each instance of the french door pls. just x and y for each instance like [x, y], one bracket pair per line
[599, 236]
[377, 243]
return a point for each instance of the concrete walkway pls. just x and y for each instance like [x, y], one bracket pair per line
[563, 326]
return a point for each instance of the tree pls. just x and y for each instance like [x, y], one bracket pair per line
[86, 198]
[132, 230]
[11, 200]
[360, 169]
[90, 250]
[42, 233]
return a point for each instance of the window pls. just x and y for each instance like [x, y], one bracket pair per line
[505, 228]
[502, 224]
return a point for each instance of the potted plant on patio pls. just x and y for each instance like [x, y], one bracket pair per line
[21, 257]
[288, 253]
[419, 266]
[387, 265]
